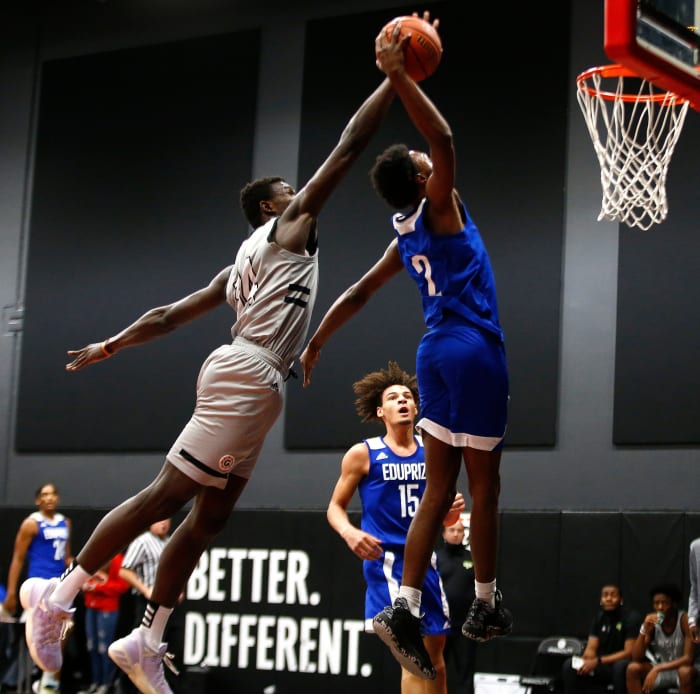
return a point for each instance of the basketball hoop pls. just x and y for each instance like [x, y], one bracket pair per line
[634, 132]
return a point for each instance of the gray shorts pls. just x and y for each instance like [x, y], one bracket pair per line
[239, 397]
[666, 679]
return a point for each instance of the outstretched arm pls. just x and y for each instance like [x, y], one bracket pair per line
[154, 323]
[298, 221]
[444, 212]
[348, 304]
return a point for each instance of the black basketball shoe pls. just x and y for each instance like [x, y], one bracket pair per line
[485, 622]
[400, 630]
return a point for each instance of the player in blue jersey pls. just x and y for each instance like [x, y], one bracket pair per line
[43, 542]
[389, 473]
[461, 361]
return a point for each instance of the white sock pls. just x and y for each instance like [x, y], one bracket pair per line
[155, 619]
[49, 679]
[486, 592]
[413, 596]
[69, 586]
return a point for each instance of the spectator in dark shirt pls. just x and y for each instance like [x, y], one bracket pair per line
[608, 649]
[457, 572]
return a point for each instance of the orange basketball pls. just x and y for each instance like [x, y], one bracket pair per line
[423, 49]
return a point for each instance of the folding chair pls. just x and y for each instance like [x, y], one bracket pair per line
[545, 673]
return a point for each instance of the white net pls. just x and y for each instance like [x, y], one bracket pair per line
[634, 133]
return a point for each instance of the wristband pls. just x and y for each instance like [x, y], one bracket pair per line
[643, 631]
[104, 349]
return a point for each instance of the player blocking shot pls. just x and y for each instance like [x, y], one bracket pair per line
[240, 393]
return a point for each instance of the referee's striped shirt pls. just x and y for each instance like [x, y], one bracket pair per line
[142, 557]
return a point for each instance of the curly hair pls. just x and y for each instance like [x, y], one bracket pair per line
[394, 177]
[253, 193]
[369, 389]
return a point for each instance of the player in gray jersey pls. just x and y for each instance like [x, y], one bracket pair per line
[272, 287]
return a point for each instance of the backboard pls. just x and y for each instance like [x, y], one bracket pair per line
[658, 40]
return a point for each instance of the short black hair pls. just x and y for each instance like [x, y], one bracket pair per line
[670, 590]
[253, 193]
[394, 177]
[37, 494]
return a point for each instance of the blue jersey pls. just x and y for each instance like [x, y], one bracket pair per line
[47, 551]
[390, 494]
[453, 271]
[391, 491]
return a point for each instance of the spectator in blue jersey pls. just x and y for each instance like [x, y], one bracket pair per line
[43, 543]
[389, 473]
[460, 363]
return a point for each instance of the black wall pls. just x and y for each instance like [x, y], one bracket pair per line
[516, 199]
[551, 567]
[140, 156]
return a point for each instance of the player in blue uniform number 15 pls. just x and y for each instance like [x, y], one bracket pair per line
[389, 473]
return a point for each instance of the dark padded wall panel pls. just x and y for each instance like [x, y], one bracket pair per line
[589, 557]
[657, 364]
[529, 566]
[510, 173]
[652, 553]
[139, 160]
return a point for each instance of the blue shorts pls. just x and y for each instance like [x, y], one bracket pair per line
[463, 383]
[383, 577]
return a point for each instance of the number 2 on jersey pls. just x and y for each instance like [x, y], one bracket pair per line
[421, 265]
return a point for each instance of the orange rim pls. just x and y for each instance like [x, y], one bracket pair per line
[616, 70]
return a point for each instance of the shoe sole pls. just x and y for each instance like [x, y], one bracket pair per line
[25, 599]
[387, 636]
[132, 669]
[490, 634]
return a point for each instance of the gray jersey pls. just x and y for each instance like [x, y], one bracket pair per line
[273, 292]
[668, 647]
[664, 648]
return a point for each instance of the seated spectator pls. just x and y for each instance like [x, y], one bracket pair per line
[608, 649]
[663, 651]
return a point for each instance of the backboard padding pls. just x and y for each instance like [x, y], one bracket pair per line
[659, 40]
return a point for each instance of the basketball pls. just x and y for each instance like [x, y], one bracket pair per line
[423, 51]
